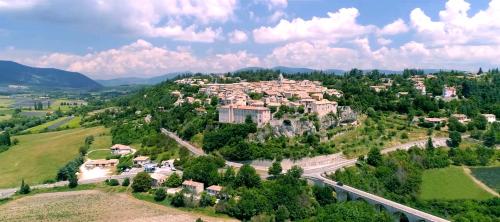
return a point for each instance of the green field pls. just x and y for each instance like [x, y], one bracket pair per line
[101, 145]
[98, 154]
[450, 183]
[38, 157]
[74, 123]
[490, 176]
[42, 127]
[5, 102]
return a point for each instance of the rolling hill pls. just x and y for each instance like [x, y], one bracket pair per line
[12, 73]
[139, 81]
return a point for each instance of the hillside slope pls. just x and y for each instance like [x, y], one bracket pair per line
[12, 73]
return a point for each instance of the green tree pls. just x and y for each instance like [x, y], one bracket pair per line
[5, 139]
[25, 188]
[160, 194]
[247, 176]
[454, 139]
[374, 157]
[173, 180]
[73, 181]
[207, 200]
[229, 176]
[178, 200]
[323, 194]
[282, 214]
[275, 169]
[142, 182]
[429, 146]
[126, 182]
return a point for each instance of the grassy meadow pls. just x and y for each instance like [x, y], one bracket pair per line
[450, 183]
[38, 157]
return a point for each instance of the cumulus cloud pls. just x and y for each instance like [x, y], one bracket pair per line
[338, 25]
[384, 41]
[397, 27]
[237, 36]
[148, 18]
[271, 4]
[455, 26]
[141, 58]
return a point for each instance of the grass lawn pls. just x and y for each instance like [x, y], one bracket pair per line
[450, 183]
[73, 123]
[38, 157]
[5, 114]
[490, 176]
[101, 142]
[42, 127]
[98, 154]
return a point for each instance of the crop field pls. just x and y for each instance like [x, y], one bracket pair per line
[5, 102]
[44, 126]
[38, 157]
[92, 205]
[490, 176]
[450, 183]
[5, 114]
[73, 123]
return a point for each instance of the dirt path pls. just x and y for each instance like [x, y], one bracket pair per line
[93, 205]
[479, 183]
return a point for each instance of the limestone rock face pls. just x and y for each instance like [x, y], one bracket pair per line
[290, 127]
[346, 114]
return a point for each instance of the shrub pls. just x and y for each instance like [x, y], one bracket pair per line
[160, 195]
[142, 182]
[25, 188]
[126, 182]
[206, 200]
[113, 182]
[73, 181]
[178, 200]
[173, 180]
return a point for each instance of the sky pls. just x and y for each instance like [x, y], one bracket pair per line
[107, 39]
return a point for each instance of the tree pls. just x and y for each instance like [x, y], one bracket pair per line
[73, 181]
[5, 139]
[25, 188]
[455, 139]
[113, 182]
[229, 176]
[429, 146]
[282, 213]
[323, 194]
[275, 169]
[207, 200]
[178, 200]
[142, 182]
[479, 122]
[126, 182]
[480, 71]
[160, 194]
[173, 180]
[374, 157]
[247, 176]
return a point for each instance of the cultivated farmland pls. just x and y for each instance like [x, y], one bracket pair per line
[38, 157]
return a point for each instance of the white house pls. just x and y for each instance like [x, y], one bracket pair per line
[141, 160]
[193, 186]
[490, 118]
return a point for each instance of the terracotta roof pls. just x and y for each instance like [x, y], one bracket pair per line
[215, 188]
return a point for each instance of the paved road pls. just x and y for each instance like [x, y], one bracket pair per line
[60, 123]
[199, 152]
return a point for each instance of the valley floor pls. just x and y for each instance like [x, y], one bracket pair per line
[92, 205]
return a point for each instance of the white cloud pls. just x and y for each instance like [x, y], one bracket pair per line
[384, 41]
[455, 26]
[277, 15]
[271, 4]
[337, 26]
[397, 27]
[176, 19]
[237, 36]
[139, 58]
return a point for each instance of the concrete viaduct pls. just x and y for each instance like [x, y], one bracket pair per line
[399, 211]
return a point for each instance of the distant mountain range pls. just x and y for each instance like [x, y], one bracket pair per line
[140, 81]
[12, 73]
[283, 69]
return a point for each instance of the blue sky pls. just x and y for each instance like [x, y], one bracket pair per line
[121, 38]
